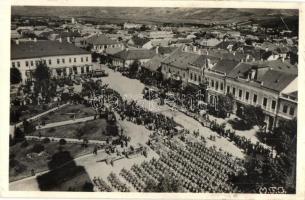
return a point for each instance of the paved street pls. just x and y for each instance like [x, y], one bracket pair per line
[132, 89]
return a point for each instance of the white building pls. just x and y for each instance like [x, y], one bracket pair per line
[61, 57]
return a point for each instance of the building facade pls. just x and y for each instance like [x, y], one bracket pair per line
[62, 58]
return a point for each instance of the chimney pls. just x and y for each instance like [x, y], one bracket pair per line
[157, 49]
[282, 58]
[262, 83]
[68, 39]
[17, 41]
[60, 40]
[35, 39]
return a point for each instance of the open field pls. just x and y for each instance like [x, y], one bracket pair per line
[68, 113]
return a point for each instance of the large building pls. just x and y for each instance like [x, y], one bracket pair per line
[62, 58]
[268, 84]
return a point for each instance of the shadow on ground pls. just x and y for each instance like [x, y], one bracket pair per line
[69, 177]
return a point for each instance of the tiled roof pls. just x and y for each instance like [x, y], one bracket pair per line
[276, 80]
[240, 70]
[225, 65]
[100, 40]
[155, 63]
[112, 51]
[43, 48]
[166, 50]
[135, 54]
[279, 65]
[182, 59]
[271, 78]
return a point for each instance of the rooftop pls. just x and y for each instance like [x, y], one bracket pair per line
[100, 40]
[43, 48]
[135, 54]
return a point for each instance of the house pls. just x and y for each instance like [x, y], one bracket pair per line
[63, 58]
[184, 65]
[128, 56]
[99, 43]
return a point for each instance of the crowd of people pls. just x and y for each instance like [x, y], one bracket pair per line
[101, 184]
[196, 167]
[116, 183]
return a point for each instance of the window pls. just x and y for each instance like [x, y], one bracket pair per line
[70, 60]
[228, 89]
[254, 98]
[27, 63]
[50, 61]
[265, 100]
[233, 91]
[216, 85]
[285, 108]
[212, 83]
[13, 64]
[74, 59]
[247, 96]
[18, 64]
[199, 79]
[63, 60]
[32, 63]
[82, 70]
[81, 59]
[58, 61]
[221, 86]
[195, 77]
[87, 69]
[273, 104]
[240, 94]
[291, 111]
[87, 59]
[183, 75]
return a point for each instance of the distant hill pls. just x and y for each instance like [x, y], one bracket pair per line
[169, 15]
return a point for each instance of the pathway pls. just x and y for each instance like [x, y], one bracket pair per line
[63, 123]
[68, 140]
[12, 127]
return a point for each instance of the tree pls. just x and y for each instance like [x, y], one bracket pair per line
[42, 72]
[134, 67]
[225, 105]
[253, 115]
[42, 76]
[15, 76]
[62, 141]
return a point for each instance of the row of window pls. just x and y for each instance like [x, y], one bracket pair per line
[285, 110]
[216, 85]
[32, 63]
[254, 99]
[195, 77]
